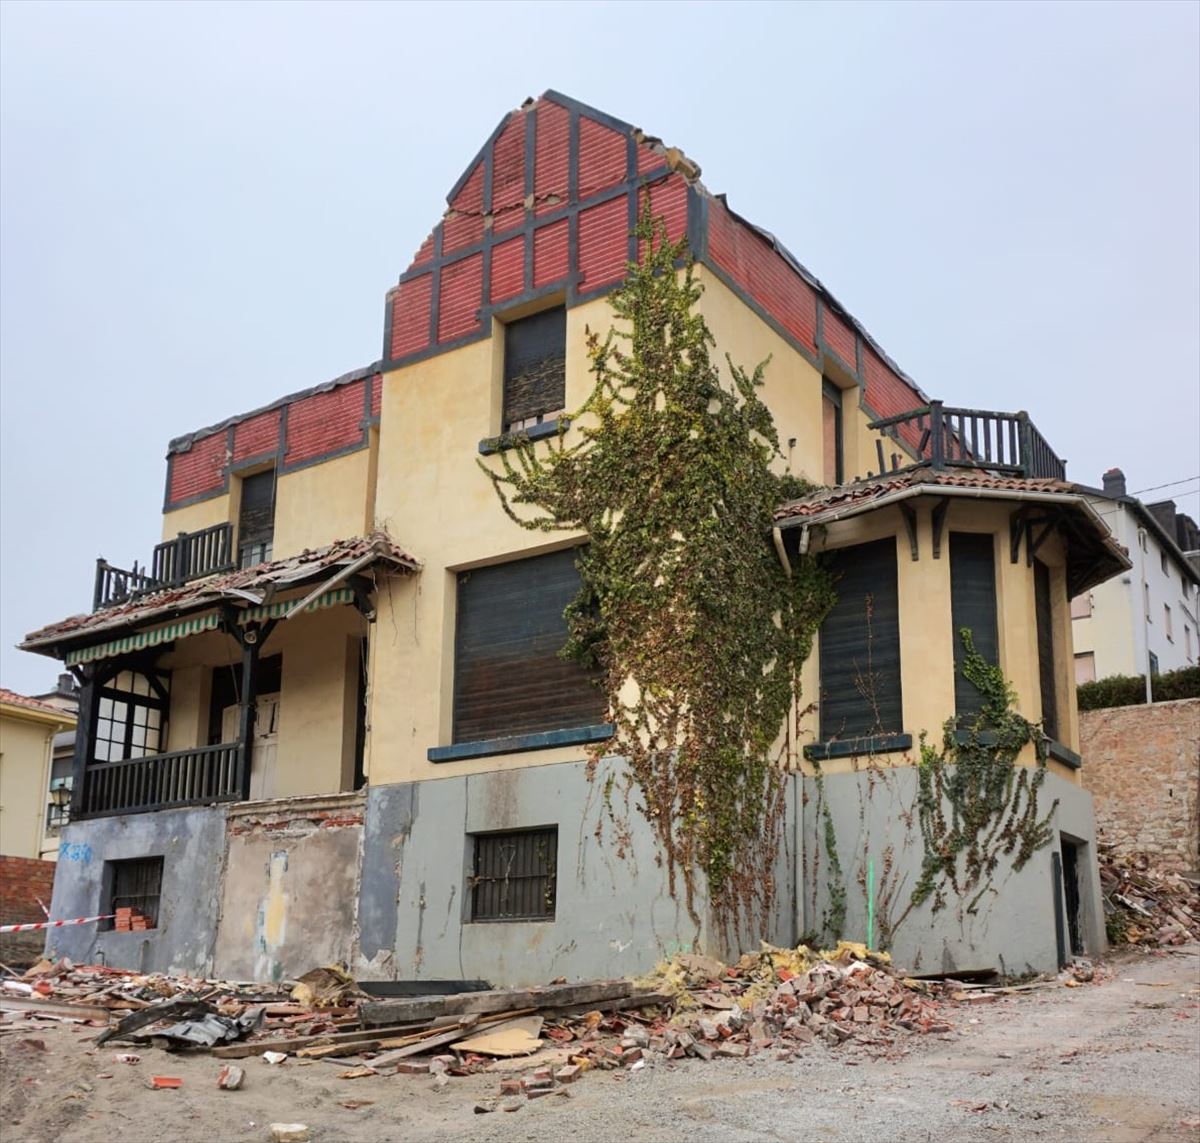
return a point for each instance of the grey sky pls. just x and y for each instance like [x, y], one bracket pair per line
[203, 205]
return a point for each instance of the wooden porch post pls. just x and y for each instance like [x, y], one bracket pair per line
[85, 735]
[249, 700]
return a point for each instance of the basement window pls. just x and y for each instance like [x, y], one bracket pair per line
[135, 890]
[535, 370]
[514, 875]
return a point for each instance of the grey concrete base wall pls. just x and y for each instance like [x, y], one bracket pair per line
[290, 892]
[614, 915]
[874, 819]
[191, 843]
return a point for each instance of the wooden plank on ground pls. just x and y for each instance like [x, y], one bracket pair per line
[495, 1000]
[52, 1007]
[291, 1043]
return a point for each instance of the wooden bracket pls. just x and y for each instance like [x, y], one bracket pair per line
[938, 520]
[910, 524]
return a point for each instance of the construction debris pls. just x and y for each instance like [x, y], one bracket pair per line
[1147, 906]
[775, 1000]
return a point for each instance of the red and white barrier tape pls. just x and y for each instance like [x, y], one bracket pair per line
[54, 924]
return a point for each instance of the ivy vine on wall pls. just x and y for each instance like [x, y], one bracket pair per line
[684, 605]
[975, 802]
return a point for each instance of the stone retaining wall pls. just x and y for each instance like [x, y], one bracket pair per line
[1142, 765]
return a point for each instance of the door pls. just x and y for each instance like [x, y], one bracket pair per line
[266, 737]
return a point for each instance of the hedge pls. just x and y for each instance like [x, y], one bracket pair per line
[1129, 690]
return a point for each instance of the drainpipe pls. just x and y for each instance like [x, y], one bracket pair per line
[1141, 540]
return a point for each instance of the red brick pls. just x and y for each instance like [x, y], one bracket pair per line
[460, 298]
[603, 243]
[199, 470]
[839, 337]
[256, 435]
[550, 253]
[602, 158]
[410, 315]
[508, 270]
[325, 422]
[551, 156]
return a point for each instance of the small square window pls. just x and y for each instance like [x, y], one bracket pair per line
[514, 875]
[136, 886]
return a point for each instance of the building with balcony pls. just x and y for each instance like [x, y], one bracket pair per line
[327, 719]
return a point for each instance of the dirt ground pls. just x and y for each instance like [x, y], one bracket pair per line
[1116, 1061]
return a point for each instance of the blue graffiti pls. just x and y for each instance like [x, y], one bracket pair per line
[75, 851]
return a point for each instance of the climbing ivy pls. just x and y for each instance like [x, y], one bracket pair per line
[684, 605]
[974, 802]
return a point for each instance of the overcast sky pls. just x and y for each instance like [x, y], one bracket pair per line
[203, 205]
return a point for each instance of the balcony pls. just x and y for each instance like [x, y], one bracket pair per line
[194, 777]
[1005, 443]
[191, 555]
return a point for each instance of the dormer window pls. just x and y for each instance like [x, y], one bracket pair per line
[535, 369]
[256, 519]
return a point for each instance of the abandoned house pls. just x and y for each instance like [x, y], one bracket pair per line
[327, 720]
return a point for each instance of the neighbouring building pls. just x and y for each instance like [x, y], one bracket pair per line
[328, 721]
[1142, 622]
[29, 729]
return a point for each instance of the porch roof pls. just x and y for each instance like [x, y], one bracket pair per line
[1093, 554]
[250, 590]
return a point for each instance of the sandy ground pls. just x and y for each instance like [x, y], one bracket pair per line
[1117, 1061]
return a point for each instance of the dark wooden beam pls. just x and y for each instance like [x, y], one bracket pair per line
[910, 525]
[938, 521]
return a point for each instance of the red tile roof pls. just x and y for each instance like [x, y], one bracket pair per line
[828, 501]
[268, 578]
[11, 698]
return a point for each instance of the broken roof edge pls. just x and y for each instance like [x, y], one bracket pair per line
[295, 572]
[185, 442]
[1111, 557]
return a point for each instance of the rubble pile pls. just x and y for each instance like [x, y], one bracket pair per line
[1148, 906]
[540, 1040]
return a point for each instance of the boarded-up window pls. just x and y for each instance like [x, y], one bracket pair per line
[514, 875]
[860, 645]
[972, 606]
[508, 676]
[1045, 643]
[831, 433]
[1085, 667]
[256, 519]
[535, 369]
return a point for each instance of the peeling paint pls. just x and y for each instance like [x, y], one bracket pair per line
[272, 920]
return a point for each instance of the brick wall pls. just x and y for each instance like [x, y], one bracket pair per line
[1142, 765]
[22, 881]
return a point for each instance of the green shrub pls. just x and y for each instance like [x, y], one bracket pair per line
[1129, 690]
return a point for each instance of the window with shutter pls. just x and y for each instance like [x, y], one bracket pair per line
[860, 645]
[831, 433]
[508, 676]
[972, 606]
[535, 369]
[256, 519]
[1043, 605]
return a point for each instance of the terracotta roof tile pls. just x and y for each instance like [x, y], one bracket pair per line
[14, 699]
[275, 575]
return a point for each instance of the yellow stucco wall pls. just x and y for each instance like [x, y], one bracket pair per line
[318, 691]
[25, 752]
[196, 517]
[926, 629]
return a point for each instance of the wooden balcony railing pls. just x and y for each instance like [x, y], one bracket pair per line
[1007, 443]
[189, 556]
[196, 777]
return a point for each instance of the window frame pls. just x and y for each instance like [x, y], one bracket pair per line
[142, 873]
[259, 549]
[532, 325]
[486, 849]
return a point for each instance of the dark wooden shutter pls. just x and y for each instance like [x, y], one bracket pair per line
[831, 432]
[508, 677]
[535, 366]
[972, 605]
[256, 517]
[860, 645]
[1045, 645]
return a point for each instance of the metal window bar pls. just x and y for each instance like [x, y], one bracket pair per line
[137, 884]
[514, 876]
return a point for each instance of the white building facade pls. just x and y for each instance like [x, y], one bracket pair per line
[1145, 621]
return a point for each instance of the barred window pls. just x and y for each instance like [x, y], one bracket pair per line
[514, 875]
[136, 886]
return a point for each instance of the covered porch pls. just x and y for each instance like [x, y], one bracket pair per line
[244, 686]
